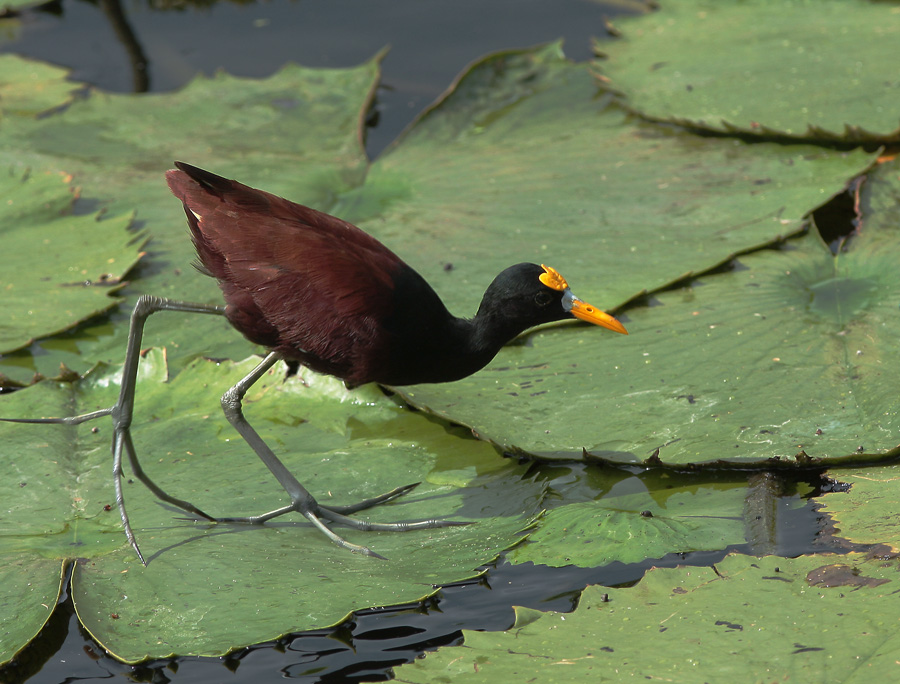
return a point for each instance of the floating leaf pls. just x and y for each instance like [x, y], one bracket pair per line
[793, 351]
[297, 133]
[522, 162]
[29, 589]
[774, 618]
[60, 268]
[868, 513]
[809, 70]
[519, 162]
[211, 588]
[29, 87]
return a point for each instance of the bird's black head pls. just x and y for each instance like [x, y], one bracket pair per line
[526, 295]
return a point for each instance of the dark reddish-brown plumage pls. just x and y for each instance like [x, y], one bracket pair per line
[320, 291]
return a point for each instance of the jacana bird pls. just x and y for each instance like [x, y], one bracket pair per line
[319, 291]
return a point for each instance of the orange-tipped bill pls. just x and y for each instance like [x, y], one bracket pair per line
[592, 314]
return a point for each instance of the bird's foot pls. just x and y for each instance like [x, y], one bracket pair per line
[68, 420]
[374, 501]
[317, 514]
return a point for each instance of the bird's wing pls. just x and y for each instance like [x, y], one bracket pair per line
[319, 282]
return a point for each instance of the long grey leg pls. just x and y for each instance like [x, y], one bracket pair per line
[123, 410]
[301, 500]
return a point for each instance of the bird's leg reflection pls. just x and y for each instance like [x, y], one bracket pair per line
[301, 500]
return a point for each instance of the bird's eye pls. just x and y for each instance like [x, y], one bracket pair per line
[543, 298]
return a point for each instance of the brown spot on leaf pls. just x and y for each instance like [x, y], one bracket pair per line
[839, 575]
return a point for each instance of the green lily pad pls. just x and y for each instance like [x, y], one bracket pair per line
[814, 618]
[791, 354]
[210, 588]
[63, 266]
[7, 5]
[29, 87]
[29, 590]
[519, 161]
[808, 70]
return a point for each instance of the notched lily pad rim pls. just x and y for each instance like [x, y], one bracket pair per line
[79, 89]
[465, 73]
[798, 463]
[65, 579]
[140, 239]
[112, 287]
[852, 137]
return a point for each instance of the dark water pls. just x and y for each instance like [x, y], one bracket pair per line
[105, 44]
[430, 42]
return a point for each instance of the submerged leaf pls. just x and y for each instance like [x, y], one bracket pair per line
[633, 528]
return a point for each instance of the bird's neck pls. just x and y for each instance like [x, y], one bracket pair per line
[435, 346]
[474, 342]
[442, 351]
[487, 333]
